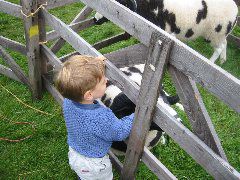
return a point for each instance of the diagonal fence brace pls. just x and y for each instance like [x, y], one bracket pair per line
[158, 57]
[196, 111]
[14, 67]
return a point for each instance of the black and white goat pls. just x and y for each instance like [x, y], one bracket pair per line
[119, 103]
[189, 19]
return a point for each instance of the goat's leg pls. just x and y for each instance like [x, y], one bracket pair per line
[217, 51]
[223, 55]
[99, 19]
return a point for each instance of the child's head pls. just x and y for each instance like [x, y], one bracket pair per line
[82, 78]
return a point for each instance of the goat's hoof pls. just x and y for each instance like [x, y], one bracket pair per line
[222, 61]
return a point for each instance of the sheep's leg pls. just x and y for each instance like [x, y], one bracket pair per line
[223, 55]
[217, 51]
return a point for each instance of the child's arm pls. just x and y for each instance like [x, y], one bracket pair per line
[113, 129]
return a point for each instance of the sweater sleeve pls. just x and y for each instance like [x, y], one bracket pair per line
[110, 128]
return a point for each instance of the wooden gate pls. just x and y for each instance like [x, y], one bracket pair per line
[162, 52]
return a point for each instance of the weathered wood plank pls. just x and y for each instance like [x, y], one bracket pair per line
[9, 73]
[14, 67]
[212, 77]
[14, 45]
[42, 38]
[79, 25]
[80, 17]
[52, 58]
[84, 13]
[147, 99]
[197, 114]
[58, 3]
[116, 163]
[105, 43]
[209, 75]
[136, 54]
[150, 161]
[111, 40]
[10, 8]
[65, 57]
[32, 42]
[234, 39]
[156, 166]
[69, 35]
[52, 90]
[198, 150]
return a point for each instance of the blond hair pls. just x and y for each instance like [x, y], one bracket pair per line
[78, 75]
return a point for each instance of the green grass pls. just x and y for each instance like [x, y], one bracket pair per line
[44, 155]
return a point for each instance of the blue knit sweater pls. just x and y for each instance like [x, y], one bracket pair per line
[91, 128]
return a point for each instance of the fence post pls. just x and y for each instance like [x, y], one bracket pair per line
[195, 109]
[148, 96]
[31, 27]
[42, 37]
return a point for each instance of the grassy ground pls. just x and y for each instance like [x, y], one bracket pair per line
[44, 155]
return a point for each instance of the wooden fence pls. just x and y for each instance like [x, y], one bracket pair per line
[160, 49]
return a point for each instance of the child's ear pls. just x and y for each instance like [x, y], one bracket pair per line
[88, 96]
[102, 58]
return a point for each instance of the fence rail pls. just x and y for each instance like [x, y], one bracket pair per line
[14, 67]
[52, 35]
[234, 39]
[16, 46]
[9, 73]
[15, 10]
[10, 8]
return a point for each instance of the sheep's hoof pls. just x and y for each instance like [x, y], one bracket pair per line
[222, 60]
[164, 139]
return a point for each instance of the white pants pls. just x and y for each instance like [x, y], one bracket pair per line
[90, 168]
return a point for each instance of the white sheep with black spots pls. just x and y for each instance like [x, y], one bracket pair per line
[190, 19]
[122, 106]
